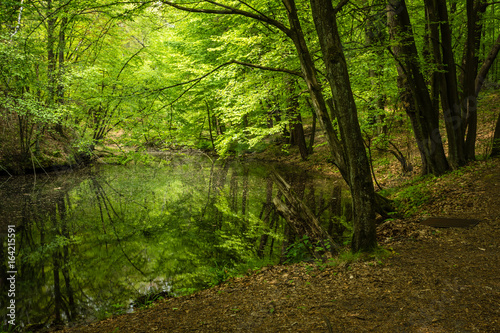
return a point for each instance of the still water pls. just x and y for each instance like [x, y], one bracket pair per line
[89, 242]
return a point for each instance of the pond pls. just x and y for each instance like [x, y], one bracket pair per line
[91, 241]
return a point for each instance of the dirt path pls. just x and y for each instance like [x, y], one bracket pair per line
[437, 280]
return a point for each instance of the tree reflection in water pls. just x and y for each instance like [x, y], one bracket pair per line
[92, 241]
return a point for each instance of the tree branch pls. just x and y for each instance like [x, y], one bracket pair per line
[340, 6]
[488, 62]
[272, 69]
[198, 79]
[228, 10]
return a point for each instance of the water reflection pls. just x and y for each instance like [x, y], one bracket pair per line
[91, 241]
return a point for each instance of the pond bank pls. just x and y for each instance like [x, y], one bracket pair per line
[103, 236]
[436, 280]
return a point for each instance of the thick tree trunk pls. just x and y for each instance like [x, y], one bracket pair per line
[426, 126]
[360, 180]
[410, 109]
[450, 101]
[310, 77]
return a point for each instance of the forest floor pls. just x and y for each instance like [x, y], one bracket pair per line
[434, 280]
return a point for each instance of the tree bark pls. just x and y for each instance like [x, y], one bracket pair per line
[51, 56]
[359, 176]
[470, 63]
[310, 149]
[450, 102]
[426, 120]
[310, 77]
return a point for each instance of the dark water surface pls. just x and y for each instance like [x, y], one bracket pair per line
[89, 242]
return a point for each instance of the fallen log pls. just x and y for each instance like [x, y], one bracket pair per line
[299, 217]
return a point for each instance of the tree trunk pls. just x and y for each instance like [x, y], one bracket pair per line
[310, 77]
[450, 101]
[310, 149]
[410, 109]
[496, 139]
[360, 180]
[470, 64]
[296, 128]
[210, 126]
[61, 48]
[51, 57]
[426, 121]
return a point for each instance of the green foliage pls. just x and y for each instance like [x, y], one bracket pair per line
[347, 257]
[410, 197]
[304, 250]
[7, 328]
[299, 251]
[136, 74]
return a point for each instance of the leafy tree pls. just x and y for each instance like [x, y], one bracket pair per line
[346, 146]
[458, 92]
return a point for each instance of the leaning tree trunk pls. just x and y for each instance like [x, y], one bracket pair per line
[298, 216]
[312, 82]
[360, 180]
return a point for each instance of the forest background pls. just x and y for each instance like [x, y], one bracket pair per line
[236, 77]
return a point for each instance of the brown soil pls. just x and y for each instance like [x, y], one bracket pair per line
[435, 280]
